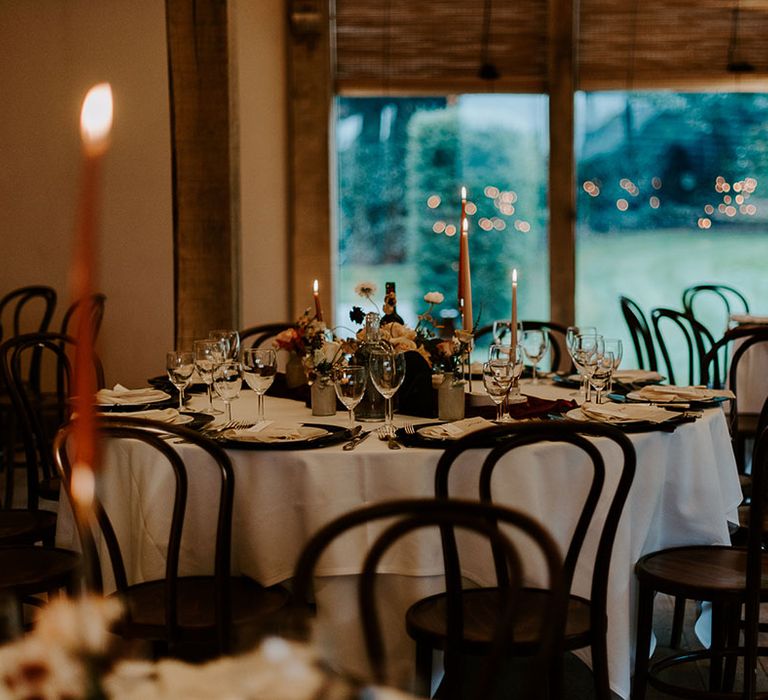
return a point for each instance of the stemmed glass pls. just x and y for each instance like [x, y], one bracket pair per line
[209, 354]
[600, 366]
[387, 373]
[227, 381]
[259, 370]
[498, 376]
[502, 329]
[350, 386]
[513, 356]
[581, 347]
[615, 346]
[232, 340]
[535, 345]
[180, 364]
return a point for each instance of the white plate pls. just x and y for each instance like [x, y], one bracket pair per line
[268, 435]
[578, 414]
[168, 415]
[136, 397]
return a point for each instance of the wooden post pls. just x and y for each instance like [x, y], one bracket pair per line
[204, 198]
[309, 113]
[563, 31]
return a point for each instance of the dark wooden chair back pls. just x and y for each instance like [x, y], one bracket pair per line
[730, 300]
[151, 434]
[697, 338]
[640, 332]
[256, 336]
[93, 305]
[413, 514]
[41, 407]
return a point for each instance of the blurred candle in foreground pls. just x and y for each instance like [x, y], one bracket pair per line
[513, 329]
[95, 127]
[466, 277]
[316, 294]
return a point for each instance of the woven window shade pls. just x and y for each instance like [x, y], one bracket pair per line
[435, 46]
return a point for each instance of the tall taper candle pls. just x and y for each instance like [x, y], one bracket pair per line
[318, 308]
[461, 253]
[466, 278]
[513, 329]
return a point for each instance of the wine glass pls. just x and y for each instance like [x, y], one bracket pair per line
[501, 331]
[535, 345]
[580, 348]
[498, 376]
[227, 381]
[387, 370]
[350, 385]
[180, 364]
[209, 354]
[600, 367]
[232, 340]
[259, 370]
[615, 346]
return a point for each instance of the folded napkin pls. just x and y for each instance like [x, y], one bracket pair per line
[626, 412]
[749, 318]
[637, 375]
[166, 415]
[681, 393]
[267, 431]
[120, 395]
[455, 430]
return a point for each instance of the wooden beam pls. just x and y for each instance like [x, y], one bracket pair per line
[563, 28]
[205, 238]
[309, 86]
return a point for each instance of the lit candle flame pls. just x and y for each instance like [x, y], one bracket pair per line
[514, 276]
[96, 118]
[315, 287]
[463, 194]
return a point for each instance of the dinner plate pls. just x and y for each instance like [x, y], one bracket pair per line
[318, 435]
[634, 426]
[418, 440]
[157, 399]
[168, 415]
[714, 401]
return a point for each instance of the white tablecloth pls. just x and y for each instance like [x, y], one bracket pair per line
[685, 491]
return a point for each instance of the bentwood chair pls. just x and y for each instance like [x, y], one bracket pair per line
[261, 334]
[728, 300]
[41, 407]
[512, 565]
[697, 341]
[640, 332]
[93, 305]
[182, 614]
[743, 426]
[586, 619]
[728, 577]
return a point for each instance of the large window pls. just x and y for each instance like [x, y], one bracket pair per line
[670, 193]
[401, 164]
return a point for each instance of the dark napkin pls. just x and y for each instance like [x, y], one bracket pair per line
[533, 408]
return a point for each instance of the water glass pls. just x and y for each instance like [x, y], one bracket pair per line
[227, 381]
[497, 380]
[600, 371]
[259, 370]
[350, 386]
[502, 334]
[615, 346]
[535, 345]
[231, 340]
[180, 365]
[581, 348]
[209, 354]
[387, 370]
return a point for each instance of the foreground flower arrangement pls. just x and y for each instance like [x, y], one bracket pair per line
[70, 655]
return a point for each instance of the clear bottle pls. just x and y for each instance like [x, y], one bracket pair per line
[371, 407]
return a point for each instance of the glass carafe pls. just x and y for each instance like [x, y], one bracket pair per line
[371, 407]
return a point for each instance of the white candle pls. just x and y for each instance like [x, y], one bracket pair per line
[462, 255]
[316, 294]
[514, 308]
[466, 280]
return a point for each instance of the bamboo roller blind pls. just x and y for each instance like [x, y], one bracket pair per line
[433, 46]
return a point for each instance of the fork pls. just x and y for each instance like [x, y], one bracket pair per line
[388, 434]
[409, 429]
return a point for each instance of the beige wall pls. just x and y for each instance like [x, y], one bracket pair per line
[51, 51]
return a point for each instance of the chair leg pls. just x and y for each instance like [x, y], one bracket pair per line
[642, 641]
[423, 681]
[718, 643]
[600, 666]
[677, 623]
[733, 622]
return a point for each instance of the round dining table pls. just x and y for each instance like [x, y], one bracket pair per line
[686, 491]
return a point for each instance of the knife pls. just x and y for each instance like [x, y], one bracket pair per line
[354, 442]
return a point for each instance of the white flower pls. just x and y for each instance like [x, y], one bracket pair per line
[366, 289]
[434, 297]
